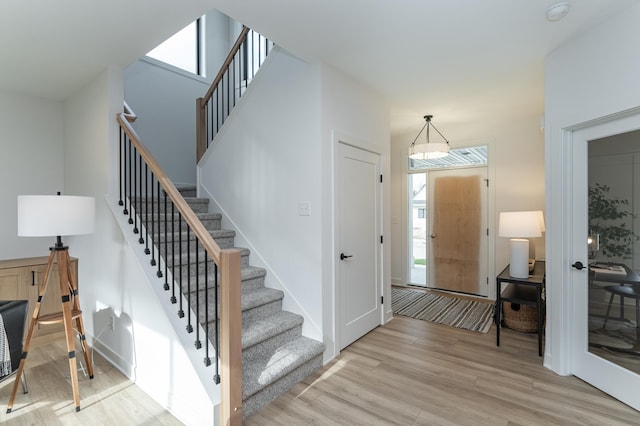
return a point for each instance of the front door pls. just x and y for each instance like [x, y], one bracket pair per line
[359, 286]
[458, 230]
[604, 257]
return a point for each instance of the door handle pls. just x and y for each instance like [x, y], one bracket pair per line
[433, 235]
[578, 265]
[344, 256]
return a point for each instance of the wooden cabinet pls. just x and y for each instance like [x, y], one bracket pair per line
[20, 279]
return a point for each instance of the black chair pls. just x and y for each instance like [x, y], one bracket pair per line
[631, 291]
[14, 317]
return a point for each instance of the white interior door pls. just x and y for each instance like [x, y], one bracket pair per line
[458, 241]
[604, 355]
[359, 286]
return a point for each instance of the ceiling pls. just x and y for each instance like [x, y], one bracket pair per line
[461, 60]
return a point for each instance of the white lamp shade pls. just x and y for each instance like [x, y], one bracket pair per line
[55, 215]
[428, 151]
[526, 224]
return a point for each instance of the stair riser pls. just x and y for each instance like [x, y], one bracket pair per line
[188, 193]
[270, 345]
[248, 315]
[159, 207]
[271, 392]
[255, 280]
[244, 259]
[169, 245]
[210, 224]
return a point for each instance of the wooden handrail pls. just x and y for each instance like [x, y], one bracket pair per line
[189, 216]
[226, 63]
[129, 114]
[229, 263]
[201, 120]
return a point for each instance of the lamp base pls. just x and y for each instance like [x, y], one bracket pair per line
[519, 262]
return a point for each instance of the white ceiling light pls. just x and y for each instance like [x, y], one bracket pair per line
[557, 11]
[428, 150]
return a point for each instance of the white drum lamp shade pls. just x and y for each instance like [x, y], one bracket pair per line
[55, 215]
[519, 226]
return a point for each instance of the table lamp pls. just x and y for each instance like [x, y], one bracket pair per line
[55, 216]
[518, 226]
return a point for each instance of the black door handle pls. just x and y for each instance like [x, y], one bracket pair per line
[578, 265]
[343, 256]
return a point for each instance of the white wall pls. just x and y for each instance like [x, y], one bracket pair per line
[66, 146]
[516, 175]
[351, 113]
[265, 162]
[276, 151]
[591, 76]
[164, 98]
[31, 146]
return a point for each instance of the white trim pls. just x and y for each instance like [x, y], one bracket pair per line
[174, 69]
[340, 138]
[563, 323]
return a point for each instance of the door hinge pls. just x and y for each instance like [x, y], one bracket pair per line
[381, 240]
[487, 231]
[487, 280]
[487, 182]
[382, 300]
[380, 178]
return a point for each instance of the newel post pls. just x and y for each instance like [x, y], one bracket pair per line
[201, 128]
[230, 339]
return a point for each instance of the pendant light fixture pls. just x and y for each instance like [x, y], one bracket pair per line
[428, 150]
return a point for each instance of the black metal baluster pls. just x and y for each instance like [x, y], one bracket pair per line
[189, 328]
[127, 142]
[146, 208]
[140, 198]
[207, 359]
[216, 377]
[120, 160]
[173, 254]
[198, 343]
[153, 223]
[130, 179]
[180, 310]
[233, 63]
[159, 242]
[166, 239]
[135, 188]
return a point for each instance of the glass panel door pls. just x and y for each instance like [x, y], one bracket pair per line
[418, 229]
[606, 291]
[614, 283]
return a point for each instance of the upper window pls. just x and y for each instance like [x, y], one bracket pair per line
[473, 156]
[183, 49]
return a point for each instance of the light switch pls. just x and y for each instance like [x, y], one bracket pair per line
[304, 208]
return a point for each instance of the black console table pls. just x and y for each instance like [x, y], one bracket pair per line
[525, 291]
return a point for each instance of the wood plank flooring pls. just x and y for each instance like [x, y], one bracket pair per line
[109, 399]
[412, 372]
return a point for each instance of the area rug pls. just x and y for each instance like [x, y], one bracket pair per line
[452, 311]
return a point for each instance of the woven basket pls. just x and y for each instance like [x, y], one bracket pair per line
[523, 318]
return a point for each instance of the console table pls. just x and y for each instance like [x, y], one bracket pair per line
[525, 291]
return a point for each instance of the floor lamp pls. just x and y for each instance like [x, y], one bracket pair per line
[57, 216]
[519, 226]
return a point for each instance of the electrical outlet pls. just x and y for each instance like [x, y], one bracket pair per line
[112, 323]
[304, 208]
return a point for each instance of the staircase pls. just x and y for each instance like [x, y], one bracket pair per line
[275, 355]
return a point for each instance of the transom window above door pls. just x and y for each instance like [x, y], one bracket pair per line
[460, 157]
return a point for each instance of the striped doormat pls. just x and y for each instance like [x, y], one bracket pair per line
[451, 311]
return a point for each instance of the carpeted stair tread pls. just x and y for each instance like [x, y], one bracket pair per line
[260, 330]
[258, 297]
[275, 355]
[261, 372]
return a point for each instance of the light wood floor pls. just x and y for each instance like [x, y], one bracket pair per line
[412, 372]
[109, 399]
